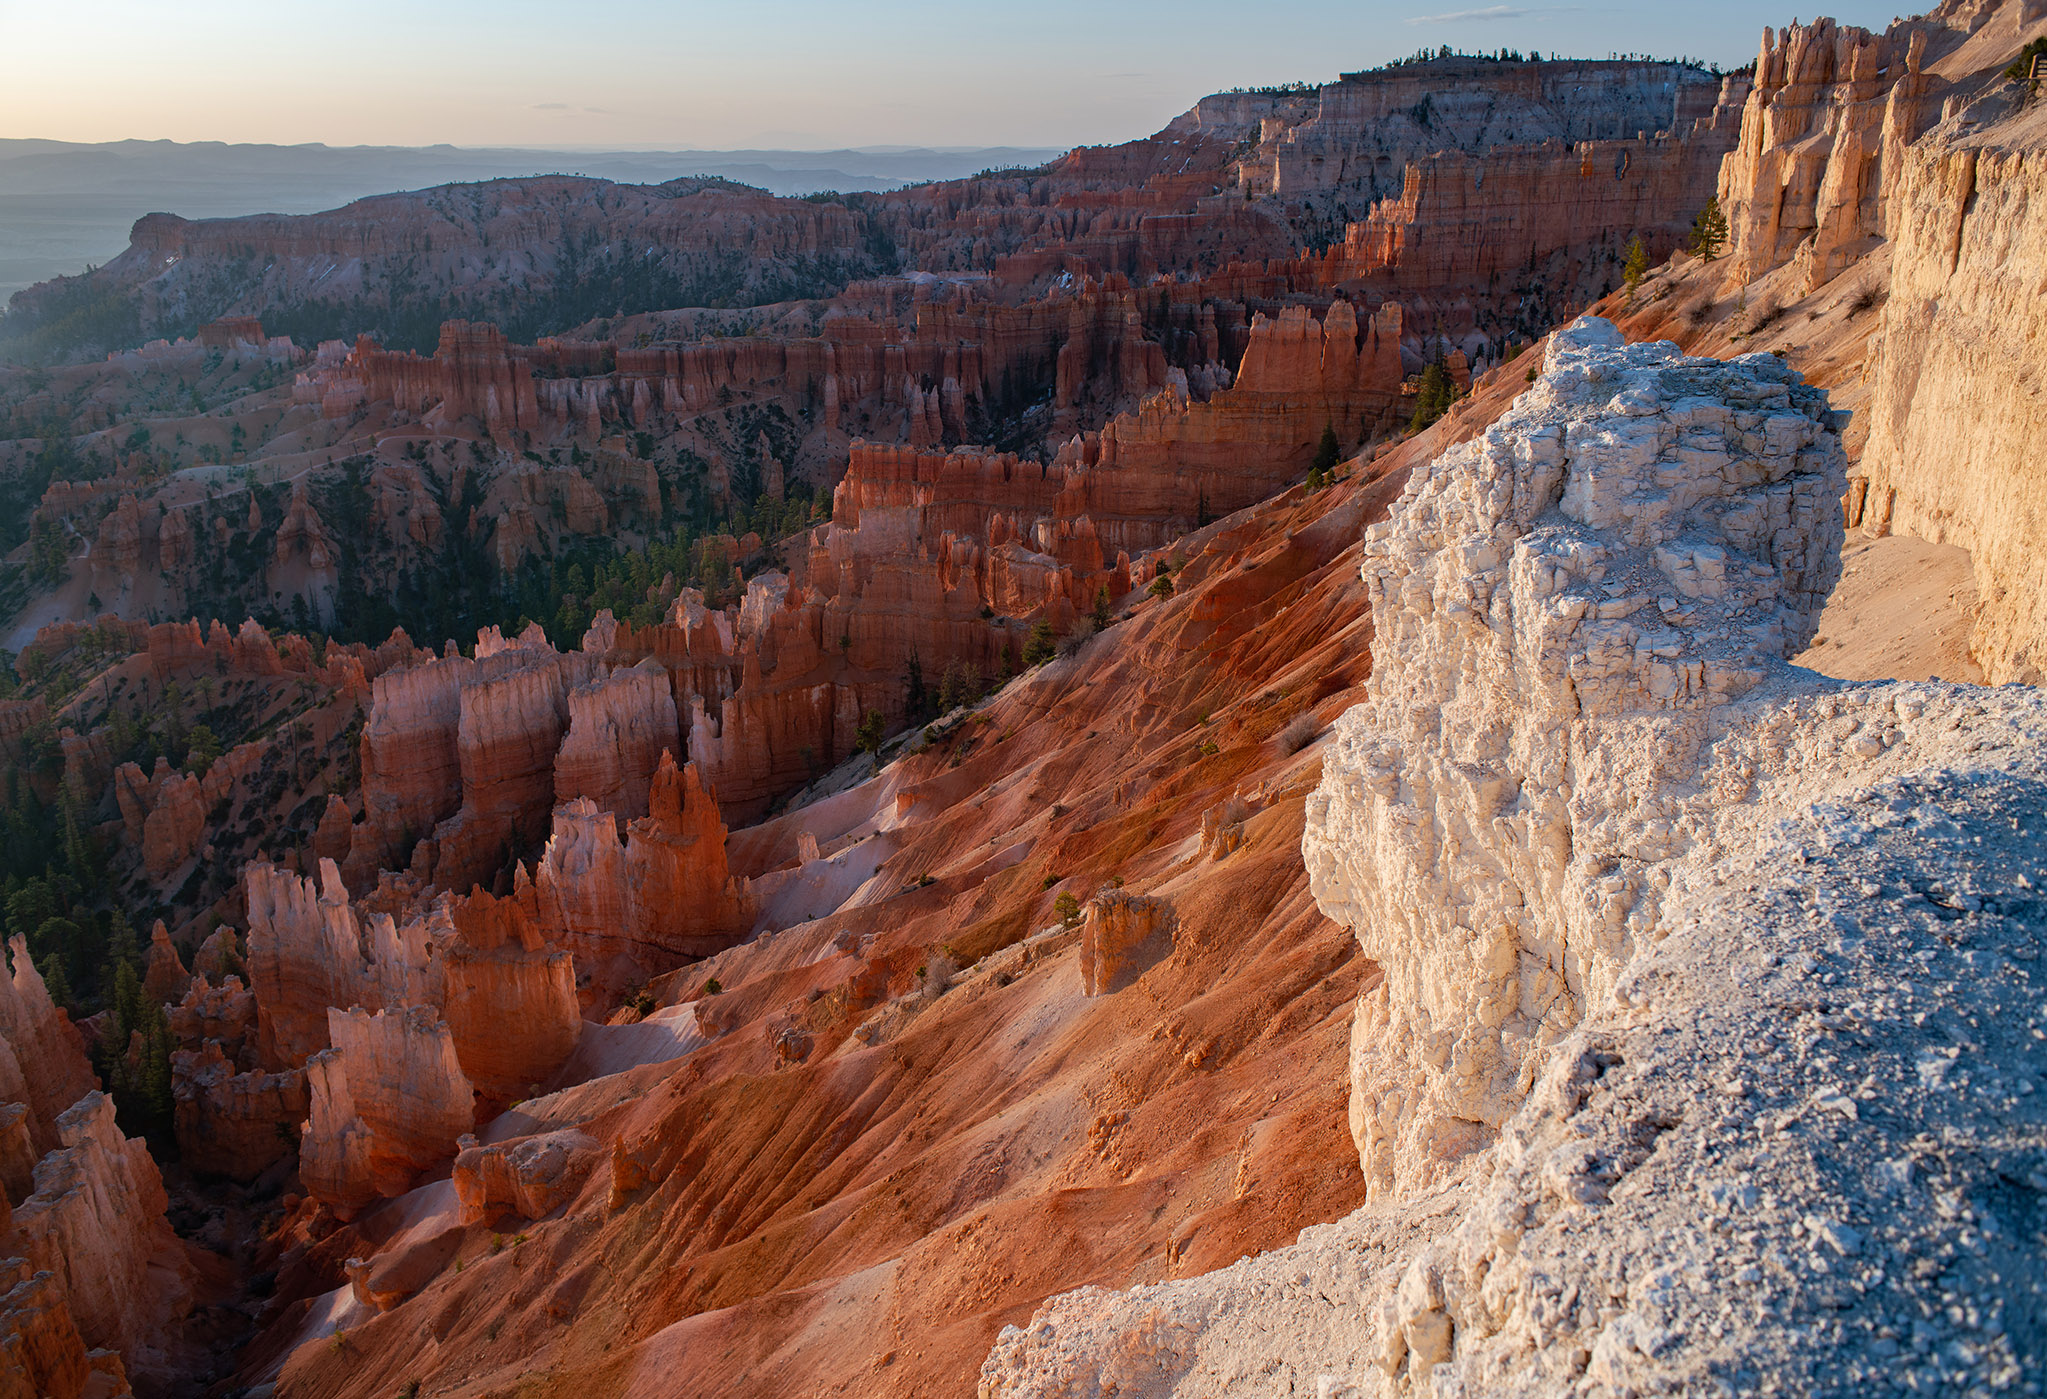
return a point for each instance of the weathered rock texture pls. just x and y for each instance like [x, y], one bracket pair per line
[631, 909]
[305, 954]
[507, 994]
[17, 1154]
[1604, 861]
[42, 1356]
[509, 998]
[682, 897]
[959, 1092]
[619, 727]
[530, 1176]
[1560, 605]
[458, 758]
[164, 979]
[96, 1224]
[81, 1214]
[1823, 136]
[233, 1124]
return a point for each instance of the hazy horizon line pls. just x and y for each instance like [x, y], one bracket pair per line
[656, 148]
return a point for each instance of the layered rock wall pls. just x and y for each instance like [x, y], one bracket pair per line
[683, 899]
[458, 758]
[509, 998]
[305, 954]
[507, 993]
[236, 1125]
[618, 728]
[1367, 126]
[1956, 418]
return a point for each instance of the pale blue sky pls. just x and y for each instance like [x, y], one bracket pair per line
[808, 74]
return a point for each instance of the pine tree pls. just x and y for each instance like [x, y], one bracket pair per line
[1102, 614]
[154, 1085]
[1637, 265]
[58, 984]
[1709, 230]
[127, 1000]
[953, 689]
[201, 750]
[913, 684]
[1437, 393]
[867, 738]
[2022, 66]
[1328, 452]
[1042, 646]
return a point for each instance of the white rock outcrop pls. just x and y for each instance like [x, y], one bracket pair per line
[1559, 606]
[1708, 1051]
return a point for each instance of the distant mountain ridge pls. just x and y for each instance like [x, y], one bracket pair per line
[66, 204]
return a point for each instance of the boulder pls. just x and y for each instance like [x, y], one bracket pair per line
[528, 1176]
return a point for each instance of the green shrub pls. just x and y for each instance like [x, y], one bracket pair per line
[2022, 66]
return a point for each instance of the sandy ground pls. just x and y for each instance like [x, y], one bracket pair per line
[1901, 612]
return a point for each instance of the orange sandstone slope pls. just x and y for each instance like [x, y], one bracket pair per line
[912, 1122]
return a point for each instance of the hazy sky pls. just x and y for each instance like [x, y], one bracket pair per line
[788, 73]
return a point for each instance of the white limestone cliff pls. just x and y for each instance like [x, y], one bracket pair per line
[1558, 607]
